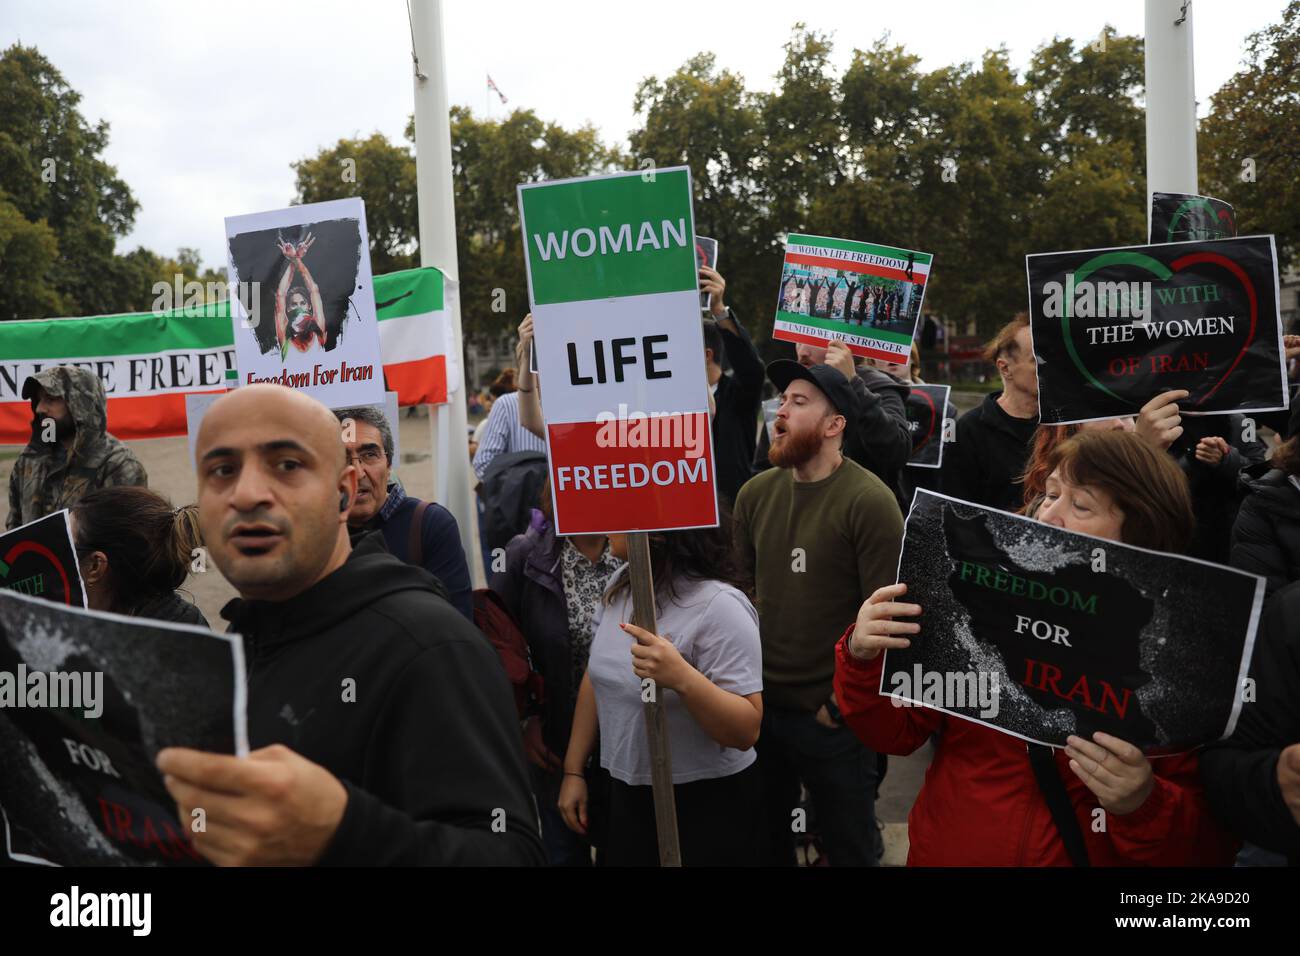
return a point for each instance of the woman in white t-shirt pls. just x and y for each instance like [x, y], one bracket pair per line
[707, 670]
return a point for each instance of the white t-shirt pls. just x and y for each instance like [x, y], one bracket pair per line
[715, 628]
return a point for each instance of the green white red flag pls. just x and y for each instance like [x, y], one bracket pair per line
[149, 361]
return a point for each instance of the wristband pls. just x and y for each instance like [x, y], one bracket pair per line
[574, 773]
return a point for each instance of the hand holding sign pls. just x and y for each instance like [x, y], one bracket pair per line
[655, 658]
[876, 623]
[1117, 772]
[1159, 422]
[714, 286]
[273, 808]
[840, 358]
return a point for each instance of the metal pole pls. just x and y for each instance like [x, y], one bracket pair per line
[661, 767]
[1171, 99]
[447, 423]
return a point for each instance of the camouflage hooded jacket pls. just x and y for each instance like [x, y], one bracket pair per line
[49, 476]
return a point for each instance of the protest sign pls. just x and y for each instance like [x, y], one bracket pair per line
[866, 295]
[305, 316]
[927, 410]
[615, 301]
[1113, 328]
[40, 559]
[1077, 634]
[706, 254]
[149, 361]
[1180, 217]
[87, 699]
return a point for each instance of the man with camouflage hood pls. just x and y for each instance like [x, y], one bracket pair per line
[70, 453]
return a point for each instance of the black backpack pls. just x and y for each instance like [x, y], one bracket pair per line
[510, 489]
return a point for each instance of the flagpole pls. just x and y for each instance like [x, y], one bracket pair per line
[1170, 99]
[437, 215]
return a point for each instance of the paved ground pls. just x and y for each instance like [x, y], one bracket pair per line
[172, 474]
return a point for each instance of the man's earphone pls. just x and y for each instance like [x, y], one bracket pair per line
[343, 501]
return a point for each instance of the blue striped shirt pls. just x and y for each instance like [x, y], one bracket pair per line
[503, 434]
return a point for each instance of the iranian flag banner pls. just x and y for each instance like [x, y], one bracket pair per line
[149, 361]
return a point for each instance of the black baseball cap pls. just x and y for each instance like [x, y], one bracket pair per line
[832, 383]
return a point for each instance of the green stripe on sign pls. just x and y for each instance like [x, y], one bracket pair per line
[607, 237]
[848, 245]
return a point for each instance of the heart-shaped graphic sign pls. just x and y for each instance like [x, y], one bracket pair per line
[38, 550]
[1135, 267]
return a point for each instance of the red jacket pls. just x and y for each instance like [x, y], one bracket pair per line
[980, 804]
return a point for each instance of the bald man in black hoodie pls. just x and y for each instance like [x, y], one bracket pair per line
[382, 724]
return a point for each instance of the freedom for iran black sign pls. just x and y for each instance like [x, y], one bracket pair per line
[1113, 328]
[87, 699]
[1042, 633]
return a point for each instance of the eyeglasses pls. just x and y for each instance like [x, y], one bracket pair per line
[367, 456]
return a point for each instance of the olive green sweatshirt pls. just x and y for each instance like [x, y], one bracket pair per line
[817, 550]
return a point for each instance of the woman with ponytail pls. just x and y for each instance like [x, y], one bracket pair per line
[134, 550]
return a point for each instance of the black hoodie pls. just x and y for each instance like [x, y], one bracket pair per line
[986, 463]
[1240, 773]
[373, 676]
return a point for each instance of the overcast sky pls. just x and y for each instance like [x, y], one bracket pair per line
[209, 101]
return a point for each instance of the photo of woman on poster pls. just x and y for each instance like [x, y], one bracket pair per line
[299, 313]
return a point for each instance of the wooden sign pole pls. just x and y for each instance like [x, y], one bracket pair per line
[661, 767]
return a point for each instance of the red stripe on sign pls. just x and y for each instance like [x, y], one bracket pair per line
[784, 335]
[862, 268]
[602, 483]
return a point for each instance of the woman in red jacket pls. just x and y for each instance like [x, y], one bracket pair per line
[981, 804]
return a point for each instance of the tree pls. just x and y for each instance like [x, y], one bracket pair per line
[489, 159]
[56, 181]
[704, 118]
[973, 163]
[381, 174]
[1248, 148]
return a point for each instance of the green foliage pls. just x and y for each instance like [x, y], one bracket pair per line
[974, 162]
[62, 207]
[1256, 116]
[381, 174]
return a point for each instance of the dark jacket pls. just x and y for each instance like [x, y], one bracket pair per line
[1266, 537]
[1240, 773]
[532, 586]
[170, 607]
[443, 557]
[428, 747]
[47, 476]
[1215, 488]
[986, 461]
[509, 491]
[878, 436]
[736, 401]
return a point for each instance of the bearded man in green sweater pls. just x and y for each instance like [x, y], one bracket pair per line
[819, 533]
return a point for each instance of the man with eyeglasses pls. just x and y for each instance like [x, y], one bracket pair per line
[422, 533]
